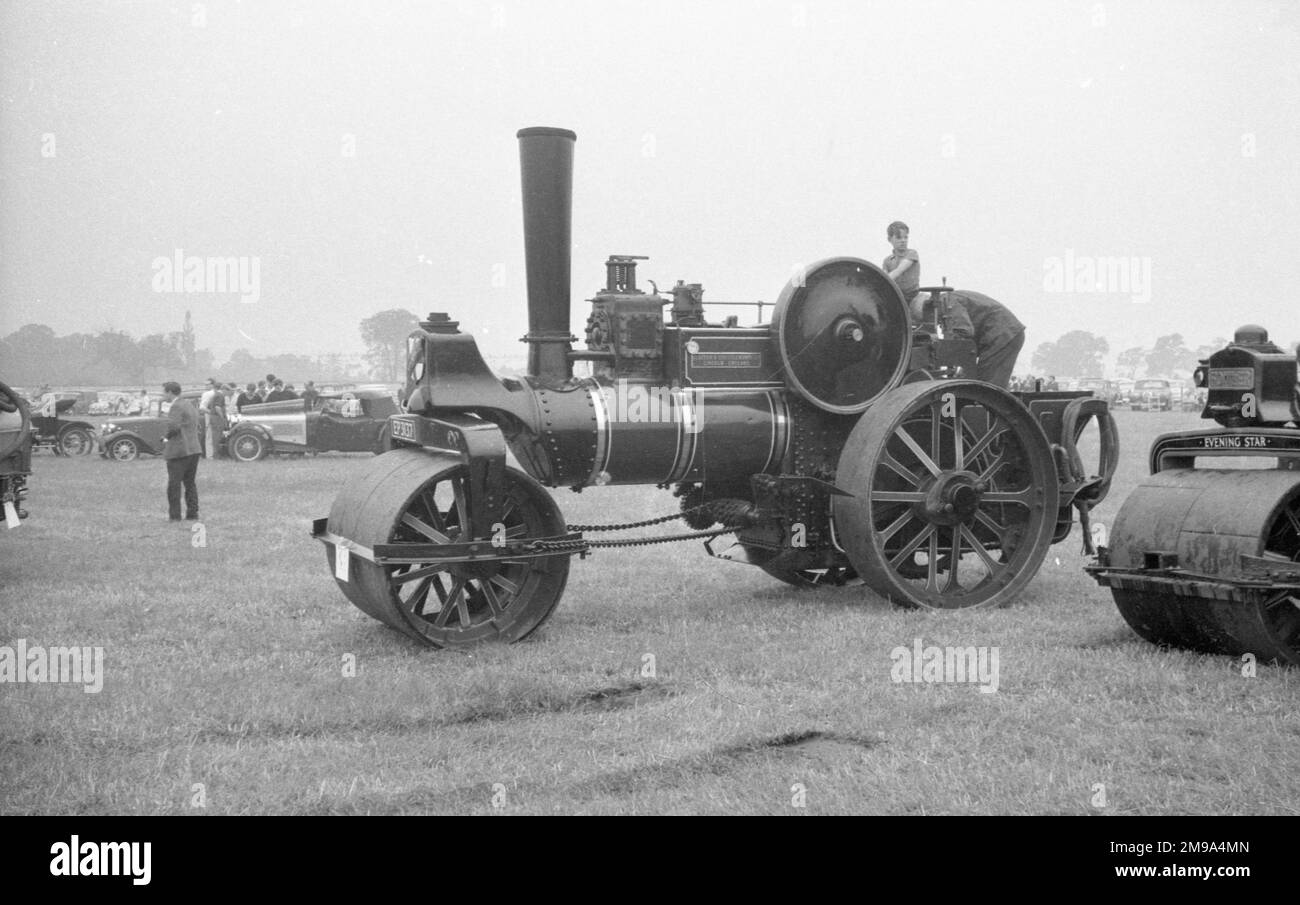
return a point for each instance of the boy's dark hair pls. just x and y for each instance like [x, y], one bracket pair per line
[172, 387]
[251, 387]
[898, 226]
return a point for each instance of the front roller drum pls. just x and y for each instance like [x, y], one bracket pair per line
[954, 495]
[1202, 522]
[411, 496]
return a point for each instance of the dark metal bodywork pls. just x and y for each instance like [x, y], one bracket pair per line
[16, 438]
[1205, 553]
[747, 425]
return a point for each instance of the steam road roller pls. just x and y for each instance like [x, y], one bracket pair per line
[836, 444]
[1206, 557]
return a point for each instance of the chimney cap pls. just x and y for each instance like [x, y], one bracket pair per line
[547, 130]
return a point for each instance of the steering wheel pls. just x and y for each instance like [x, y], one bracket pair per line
[8, 399]
[11, 402]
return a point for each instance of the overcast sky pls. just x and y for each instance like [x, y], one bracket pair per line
[365, 156]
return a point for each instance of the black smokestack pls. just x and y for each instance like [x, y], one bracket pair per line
[546, 163]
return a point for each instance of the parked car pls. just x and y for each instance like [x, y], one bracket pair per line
[355, 421]
[61, 436]
[1151, 394]
[128, 438]
[1108, 390]
[1123, 388]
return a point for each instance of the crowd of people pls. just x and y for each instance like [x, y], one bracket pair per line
[272, 389]
[1032, 384]
[220, 398]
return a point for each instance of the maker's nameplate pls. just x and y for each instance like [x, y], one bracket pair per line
[727, 360]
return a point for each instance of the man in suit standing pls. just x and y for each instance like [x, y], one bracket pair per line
[181, 453]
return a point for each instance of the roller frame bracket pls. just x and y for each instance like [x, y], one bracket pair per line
[479, 445]
[1260, 578]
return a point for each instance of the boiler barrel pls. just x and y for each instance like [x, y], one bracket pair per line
[631, 433]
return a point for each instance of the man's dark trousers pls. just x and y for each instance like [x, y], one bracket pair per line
[995, 367]
[182, 471]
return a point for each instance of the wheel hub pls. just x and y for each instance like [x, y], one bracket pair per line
[953, 498]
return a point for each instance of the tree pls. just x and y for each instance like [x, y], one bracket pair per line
[1131, 360]
[32, 355]
[116, 358]
[1214, 345]
[1077, 353]
[1170, 356]
[159, 353]
[385, 337]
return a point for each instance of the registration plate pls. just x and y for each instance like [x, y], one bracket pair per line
[403, 430]
[1232, 378]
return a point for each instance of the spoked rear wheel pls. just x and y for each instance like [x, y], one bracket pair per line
[955, 495]
[411, 496]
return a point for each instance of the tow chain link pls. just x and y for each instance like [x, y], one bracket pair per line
[630, 525]
[561, 545]
[576, 545]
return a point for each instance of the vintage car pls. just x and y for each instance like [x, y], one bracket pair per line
[1109, 390]
[355, 421]
[1151, 394]
[1095, 385]
[128, 438]
[15, 455]
[62, 437]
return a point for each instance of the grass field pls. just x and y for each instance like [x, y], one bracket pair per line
[224, 686]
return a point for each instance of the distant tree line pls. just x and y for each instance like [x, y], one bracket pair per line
[1082, 354]
[34, 355]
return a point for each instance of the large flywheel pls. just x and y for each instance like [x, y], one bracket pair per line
[1209, 559]
[954, 495]
[844, 334]
[410, 497]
